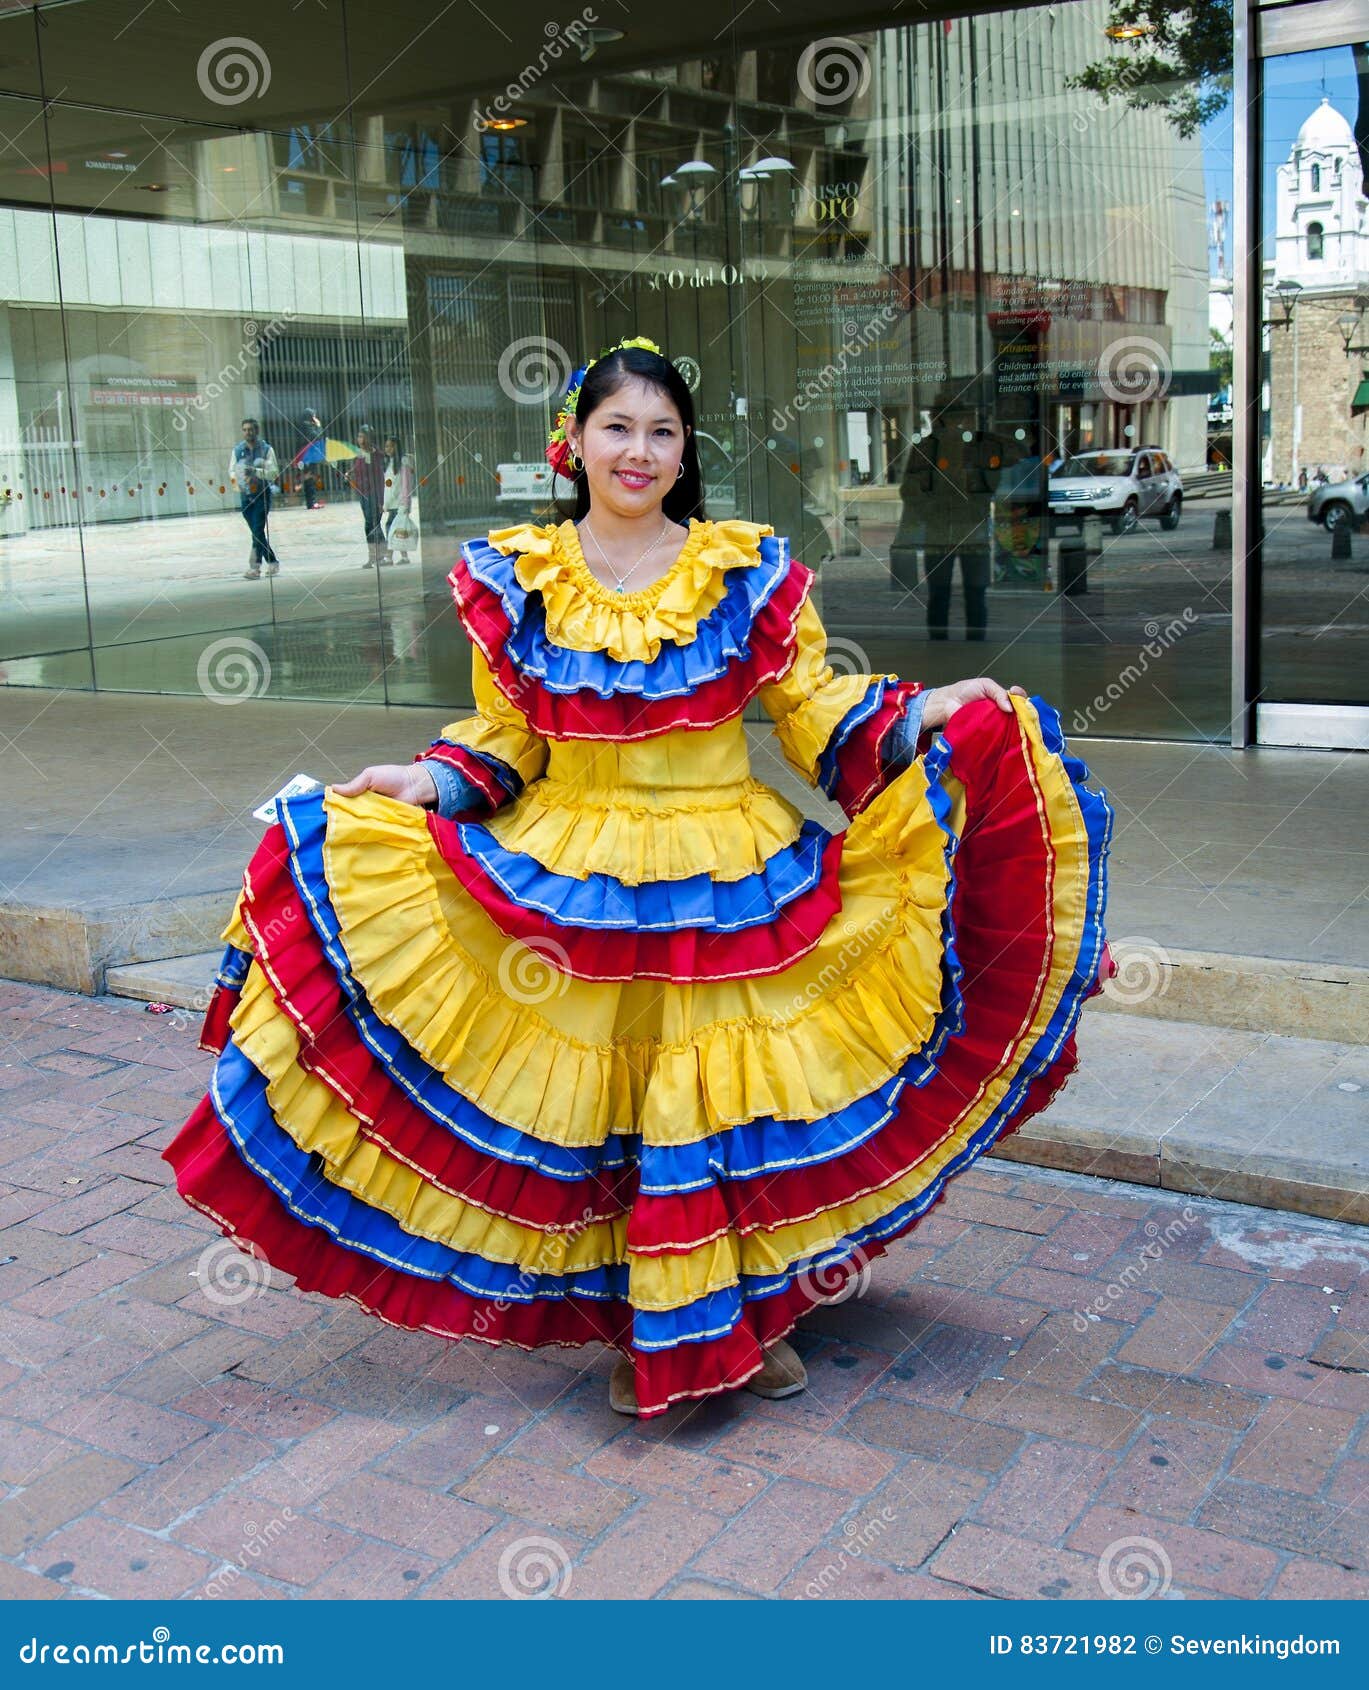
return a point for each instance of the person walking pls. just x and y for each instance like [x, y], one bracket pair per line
[253, 470]
[399, 496]
[572, 1030]
[367, 476]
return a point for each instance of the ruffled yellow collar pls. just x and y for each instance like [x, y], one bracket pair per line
[583, 614]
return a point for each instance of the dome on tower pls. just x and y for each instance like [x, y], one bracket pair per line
[1326, 130]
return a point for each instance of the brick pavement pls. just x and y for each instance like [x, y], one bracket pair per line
[1054, 1385]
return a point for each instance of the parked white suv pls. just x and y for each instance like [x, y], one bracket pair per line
[1120, 485]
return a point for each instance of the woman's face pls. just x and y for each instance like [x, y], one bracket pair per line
[632, 444]
[391, 447]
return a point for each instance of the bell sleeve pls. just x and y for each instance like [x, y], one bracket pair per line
[846, 734]
[483, 760]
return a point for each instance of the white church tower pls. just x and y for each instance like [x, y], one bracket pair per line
[1321, 215]
[1321, 243]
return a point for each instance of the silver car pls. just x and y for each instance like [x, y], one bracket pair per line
[1339, 502]
[1120, 485]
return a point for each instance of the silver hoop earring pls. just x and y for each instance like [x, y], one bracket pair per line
[680, 471]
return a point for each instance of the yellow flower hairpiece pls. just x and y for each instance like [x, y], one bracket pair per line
[557, 447]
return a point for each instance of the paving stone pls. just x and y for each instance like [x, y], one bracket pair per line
[260, 1536]
[514, 1560]
[1178, 1334]
[582, 1505]
[715, 1482]
[1037, 1408]
[1209, 1559]
[118, 1561]
[1323, 1531]
[1293, 1446]
[1170, 1464]
[59, 1494]
[1045, 1490]
[404, 1514]
[932, 1432]
[1013, 1567]
[760, 1547]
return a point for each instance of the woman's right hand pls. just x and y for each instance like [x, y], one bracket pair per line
[411, 783]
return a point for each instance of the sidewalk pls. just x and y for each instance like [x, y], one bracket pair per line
[1056, 1386]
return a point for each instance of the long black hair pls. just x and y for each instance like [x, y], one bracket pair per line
[686, 498]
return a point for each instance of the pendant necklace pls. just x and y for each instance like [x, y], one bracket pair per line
[620, 579]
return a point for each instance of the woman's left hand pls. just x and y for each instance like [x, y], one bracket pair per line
[943, 702]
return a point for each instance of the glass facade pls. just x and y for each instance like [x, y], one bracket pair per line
[946, 317]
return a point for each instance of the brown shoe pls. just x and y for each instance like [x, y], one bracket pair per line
[782, 1375]
[622, 1390]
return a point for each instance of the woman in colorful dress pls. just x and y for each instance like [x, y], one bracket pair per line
[573, 1029]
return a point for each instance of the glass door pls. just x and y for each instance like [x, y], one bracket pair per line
[1311, 655]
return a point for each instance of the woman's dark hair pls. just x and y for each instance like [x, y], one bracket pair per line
[686, 498]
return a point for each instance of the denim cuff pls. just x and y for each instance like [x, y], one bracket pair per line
[454, 792]
[900, 743]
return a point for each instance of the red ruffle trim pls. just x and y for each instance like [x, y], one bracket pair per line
[211, 1175]
[214, 1030]
[682, 955]
[860, 768]
[307, 988]
[624, 716]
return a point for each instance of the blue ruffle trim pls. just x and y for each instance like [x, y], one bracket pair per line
[657, 906]
[720, 638]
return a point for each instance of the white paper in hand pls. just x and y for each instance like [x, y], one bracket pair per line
[292, 788]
